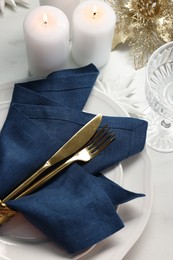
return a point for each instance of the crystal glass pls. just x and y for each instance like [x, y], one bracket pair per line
[159, 93]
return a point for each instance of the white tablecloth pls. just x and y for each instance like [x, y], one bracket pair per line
[157, 238]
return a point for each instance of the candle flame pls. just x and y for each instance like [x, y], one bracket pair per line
[95, 10]
[45, 19]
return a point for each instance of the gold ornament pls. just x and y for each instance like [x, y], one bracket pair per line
[144, 24]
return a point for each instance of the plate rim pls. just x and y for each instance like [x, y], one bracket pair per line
[144, 223]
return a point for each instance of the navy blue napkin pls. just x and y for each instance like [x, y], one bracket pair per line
[77, 208]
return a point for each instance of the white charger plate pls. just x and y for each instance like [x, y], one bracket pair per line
[19, 239]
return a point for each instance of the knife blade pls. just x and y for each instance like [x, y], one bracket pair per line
[77, 141]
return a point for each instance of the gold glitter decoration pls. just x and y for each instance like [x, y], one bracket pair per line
[144, 24]
[5, 213]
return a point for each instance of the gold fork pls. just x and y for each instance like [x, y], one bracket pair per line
[98, 143]
[78, 140]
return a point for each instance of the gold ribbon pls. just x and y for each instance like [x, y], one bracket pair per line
[5, 213]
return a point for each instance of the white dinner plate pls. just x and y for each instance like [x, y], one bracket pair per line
[19, 239]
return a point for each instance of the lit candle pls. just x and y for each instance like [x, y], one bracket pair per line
[93, 29]
[46, 31]
[67, 6]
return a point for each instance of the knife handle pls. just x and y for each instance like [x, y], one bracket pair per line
[26, 183]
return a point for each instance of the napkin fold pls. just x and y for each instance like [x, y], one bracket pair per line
[77, 208]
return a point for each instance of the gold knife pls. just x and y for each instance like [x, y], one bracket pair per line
[76, 142]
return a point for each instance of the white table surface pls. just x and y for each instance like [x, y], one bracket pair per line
[157, 239]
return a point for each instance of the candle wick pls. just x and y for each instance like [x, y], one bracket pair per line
[45, 20]
[94, 11]
[94, 14]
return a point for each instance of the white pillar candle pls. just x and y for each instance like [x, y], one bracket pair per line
[67, 6]
[46, 31]
[93, 29]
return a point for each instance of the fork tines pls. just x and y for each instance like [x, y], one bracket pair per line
[101, 139]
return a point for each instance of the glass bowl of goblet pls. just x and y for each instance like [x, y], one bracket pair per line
[159, 93]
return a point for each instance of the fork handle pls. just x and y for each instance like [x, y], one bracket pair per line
[49, 176]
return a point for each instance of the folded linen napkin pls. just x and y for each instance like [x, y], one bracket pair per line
[77, 208]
